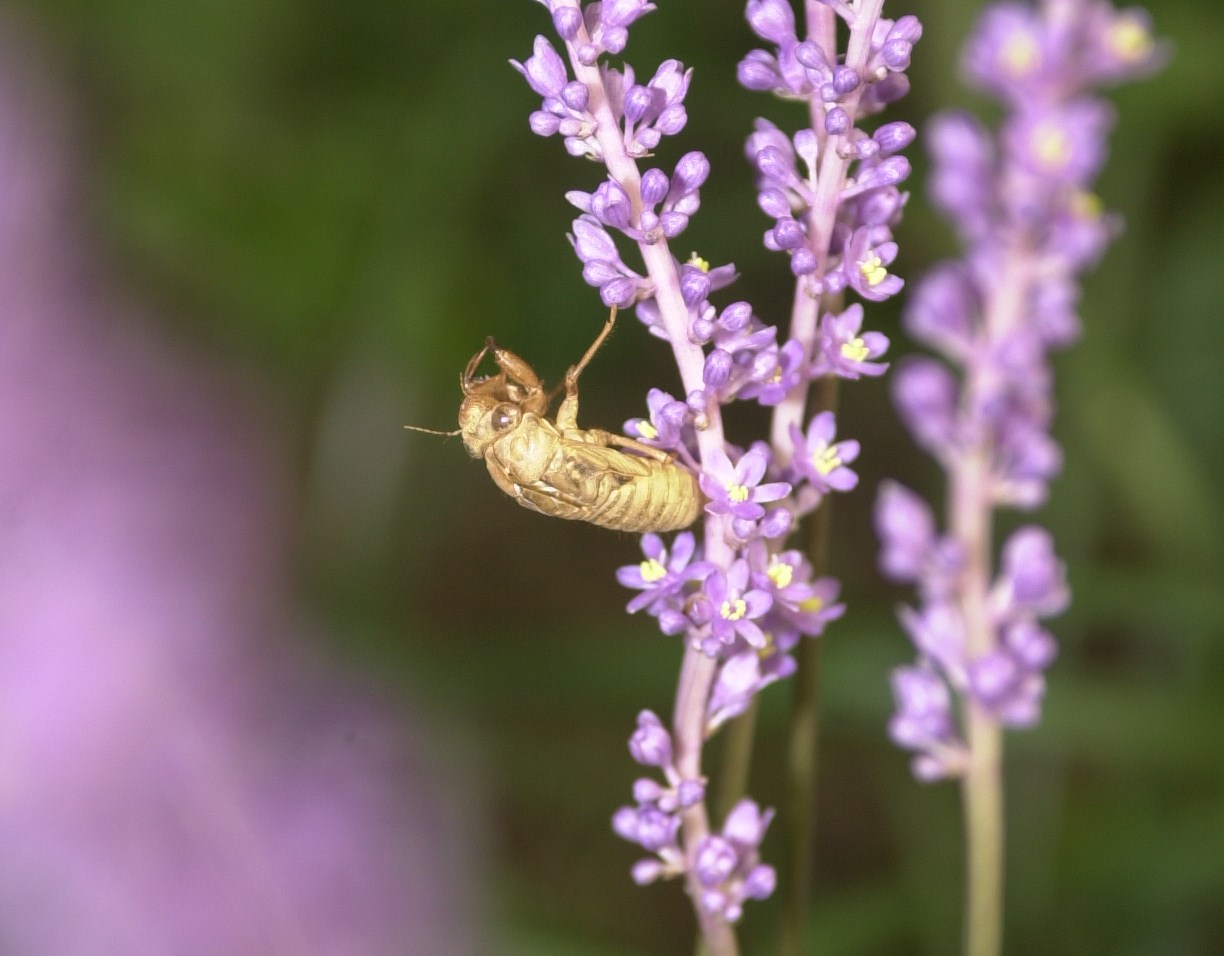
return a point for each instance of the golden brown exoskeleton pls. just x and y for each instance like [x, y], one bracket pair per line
[559, 469]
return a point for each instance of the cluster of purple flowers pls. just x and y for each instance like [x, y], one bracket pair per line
[1021, 202]
[742, 601]
[727, 866]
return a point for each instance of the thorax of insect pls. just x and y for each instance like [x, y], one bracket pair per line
[557, 468]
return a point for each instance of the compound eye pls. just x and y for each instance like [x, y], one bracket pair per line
[503, 417]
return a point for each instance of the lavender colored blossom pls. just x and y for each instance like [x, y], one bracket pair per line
[736, 490]
[662, 577]
[728, 866]
[844, 352]
[731, 607]
[1020, 201]
[818, 460]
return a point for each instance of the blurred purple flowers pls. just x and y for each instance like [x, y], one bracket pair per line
[1021, 204]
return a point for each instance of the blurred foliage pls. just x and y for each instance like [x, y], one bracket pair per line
[347, 195]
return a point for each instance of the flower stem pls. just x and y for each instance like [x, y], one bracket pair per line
[982, 796]
[803, 735]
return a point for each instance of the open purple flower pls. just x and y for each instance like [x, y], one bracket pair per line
[732, 607]
[819, 460]
[843, 351]
[661, 577]
[736, 490]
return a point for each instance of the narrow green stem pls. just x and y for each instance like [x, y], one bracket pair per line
[803, 737]
[737, 760]
[982, 796]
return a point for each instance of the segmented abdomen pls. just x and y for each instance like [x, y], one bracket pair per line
[666, 499]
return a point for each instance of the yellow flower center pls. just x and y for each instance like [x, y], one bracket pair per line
[825, 461]
[1085, 205]
[811, 605]
[652, 571]
[733, 610]
[737, 493]
[855, 350]
[1051, 146]
[768, 649]
[780, 573]
[1019, 54]
[1129, 39]
[872, 269]
[647, 430]
[697, 262]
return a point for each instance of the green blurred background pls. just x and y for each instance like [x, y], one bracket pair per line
[346, 199]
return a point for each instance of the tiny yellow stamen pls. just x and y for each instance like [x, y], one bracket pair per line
[1051, 146]
[768, 649]
[737, 493]
[698, 262]
[855, 350]
[827, 460]
[811, 605]
[1085, 205]
[1129, 39]
[647, 431]
[780, 573]
[1019, 54]
[872, 269]
[734, 610]
[652, 571]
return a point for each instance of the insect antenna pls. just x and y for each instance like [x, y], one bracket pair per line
[434, 431]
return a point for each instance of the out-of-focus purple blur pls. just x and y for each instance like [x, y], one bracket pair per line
[181, 768]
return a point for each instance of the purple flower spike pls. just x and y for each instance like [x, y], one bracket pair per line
[1020, 200]
[736, 489]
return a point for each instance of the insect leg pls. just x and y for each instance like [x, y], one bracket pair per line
[567, 414]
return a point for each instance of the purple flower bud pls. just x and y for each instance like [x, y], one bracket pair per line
[694, 286]
[638, 100]
[655, 185]
[646, 790]
[717, 370]
[813, 57]
[691, 171]
[845, 80]
[715, 860]
[789, 234]
[772, 20]
[773, 202]
[650, 744]
[837, 121]
[646, 871]
[543, 124]
[756, 72]
[760, 882]
[803, 262]
[776, 523]
[544, 70]
[896, 54]
[690, 793]
[1035, 576]
[735, 317]
[576, 96]
[894, 137]
[567, 21]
